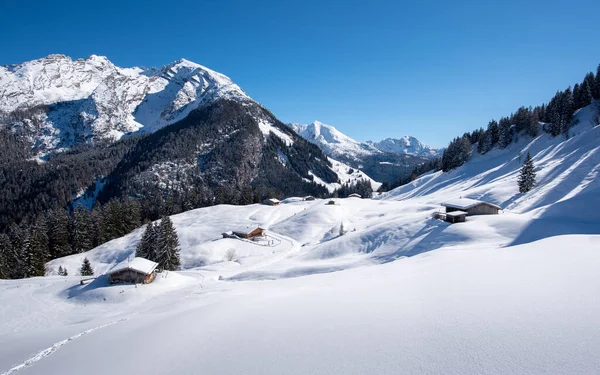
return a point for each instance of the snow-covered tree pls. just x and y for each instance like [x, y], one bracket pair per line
[86, 268]
[527, 175]
[62, 271]
[168, 246]
[149, 242]
[5, 250]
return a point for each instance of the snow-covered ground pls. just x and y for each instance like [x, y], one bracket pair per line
[363, 286]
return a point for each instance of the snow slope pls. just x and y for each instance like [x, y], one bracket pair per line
[364, 286]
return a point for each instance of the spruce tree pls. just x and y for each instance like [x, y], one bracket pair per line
[86, 268]
[5, 253]
[505, 135]
[596, 92]
[36, 250]
[57, 222]
[167, 255]
[82, 230]
[527, 175]
[485, 143]
[148, 243]
[62, 271]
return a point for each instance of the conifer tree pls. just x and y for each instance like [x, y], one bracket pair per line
[57, 222]
[505, 136]
[5, 250]
[527, 175]
[82, 230]
[485, 143]
[62, 271]
[36, 250]
[596, 93]
[148, 243]
[167, 255]
[86, 268]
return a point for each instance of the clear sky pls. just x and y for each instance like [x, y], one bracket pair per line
[373, 69]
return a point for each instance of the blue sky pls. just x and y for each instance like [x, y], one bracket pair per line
[373, 69]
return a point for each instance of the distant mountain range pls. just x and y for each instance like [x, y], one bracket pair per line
[384, 161]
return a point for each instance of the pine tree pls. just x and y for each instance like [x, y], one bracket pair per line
[167, 255]
[82, 230]
[527, 175]
[148, 243]
[57, 222]
[62, 271]
[86, 268]
[505, 135]
[596, 93]
[485, 143]
[15, 253]
[36, 250]
[5, 253]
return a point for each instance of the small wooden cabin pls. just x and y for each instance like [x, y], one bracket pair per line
[354, 195]
[271, 202]
[471, 206]
[245, 233]
[136, 271]
[309, 198]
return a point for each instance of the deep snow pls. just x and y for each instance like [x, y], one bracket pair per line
[398, 292]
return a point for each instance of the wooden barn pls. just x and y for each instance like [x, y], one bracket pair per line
[471, 207]
[271, 202]
[247, 233]
[136, 271]
[456, 217]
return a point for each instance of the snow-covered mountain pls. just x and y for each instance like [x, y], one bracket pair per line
[333, 142]
[384, 161]
[406, 145]
[59, 102]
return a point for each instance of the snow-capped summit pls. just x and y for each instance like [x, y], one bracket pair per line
[406, 145]
[59, 102]
[333, 142]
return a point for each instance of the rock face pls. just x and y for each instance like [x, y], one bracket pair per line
[58, 103]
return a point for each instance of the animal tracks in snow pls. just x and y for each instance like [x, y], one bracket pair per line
[54, 347]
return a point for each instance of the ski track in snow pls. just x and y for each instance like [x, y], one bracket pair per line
[54, 347]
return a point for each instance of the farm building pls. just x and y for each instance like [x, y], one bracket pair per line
[309, 198]
[137, 271]
[249, 232]
[330, 203]
[271, 202]
[354, 195]
[471, 206]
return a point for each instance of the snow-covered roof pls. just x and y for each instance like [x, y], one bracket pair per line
[456, 213]
[138, 264]
[274, 200]
[465, 203]
[246, 230]
[354, 195]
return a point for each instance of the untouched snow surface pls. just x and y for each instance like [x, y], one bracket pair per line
[363, 286]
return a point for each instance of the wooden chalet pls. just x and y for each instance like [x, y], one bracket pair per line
[246, 233]
[136, 271]
[271, 202]
[471, 207]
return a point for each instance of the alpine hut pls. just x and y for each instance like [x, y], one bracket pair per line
[471, 207]
[137, 270]
[271, 202]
